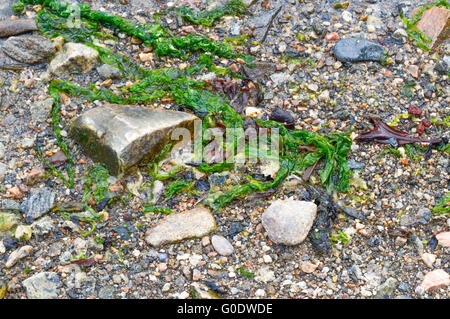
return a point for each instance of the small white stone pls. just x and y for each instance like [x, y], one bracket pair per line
[267, 259]
[347, 16]
[428, 259]
[260, 293]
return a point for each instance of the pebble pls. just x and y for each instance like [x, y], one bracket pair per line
[443, 239]
[435, 279]
[357, 50]
[107, 71]
[17, 255]
[44, 285]
[40, 202]
[222, 245]
[428, 259]
[74, 57]
[41, 110]
[289, 221]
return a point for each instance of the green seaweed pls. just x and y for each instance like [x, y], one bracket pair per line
[157, 209]
[207, 18]
[177, 84]
[443, 207]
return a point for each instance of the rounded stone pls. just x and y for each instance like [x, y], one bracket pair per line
[288, 222]
[222, 245]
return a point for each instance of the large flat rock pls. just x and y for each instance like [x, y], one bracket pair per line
[194, 223]
[120, 136]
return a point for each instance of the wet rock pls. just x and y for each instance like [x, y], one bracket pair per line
[29, 49]
[14, 27]
[40, 202]
[193, 223]
[74, 57]
[289, 221]
[44, 285]
[443, 239]
[260, 71]
[281, 116]
[435, 279]
[17, 255]
[435, 24]
[222, 245]
[8, 221]
[358, 50]
[121, 135]
[107, 71]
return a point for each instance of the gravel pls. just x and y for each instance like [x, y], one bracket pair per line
[379, 256]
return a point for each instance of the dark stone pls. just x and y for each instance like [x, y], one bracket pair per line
[235, 228]
[358, 50]
[202, 184]
[40, 202]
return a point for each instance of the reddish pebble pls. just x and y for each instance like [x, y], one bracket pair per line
[426, 123]
[420, 129]
[435, 279]
[332, 36]
[414, 110]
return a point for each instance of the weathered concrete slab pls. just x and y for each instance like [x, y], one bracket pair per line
[120, 136]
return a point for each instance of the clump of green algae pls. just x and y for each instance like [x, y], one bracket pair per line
[155, 84]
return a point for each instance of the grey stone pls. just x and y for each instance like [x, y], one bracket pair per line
[355, 165]
[14, 27]
[121, 135]
[74, 57]
[235, 29]
[41, 110]
[29, 48]
[289, 221]
[9, 204]
[358, 50]
[107, 71]
[42, 226]
[387, 288]
[194, 223]
[27, 142]
[222, 245]
[44, 285]
[40, 202]
[106, 292]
